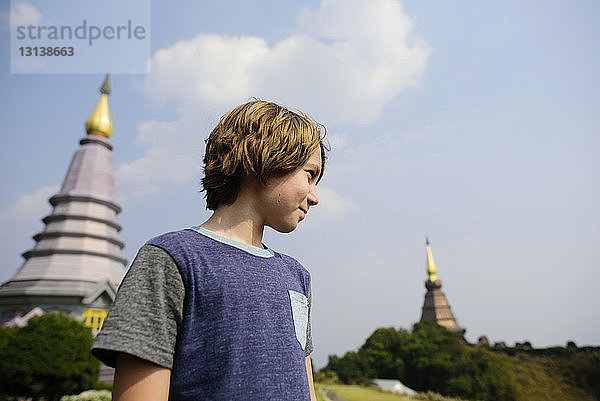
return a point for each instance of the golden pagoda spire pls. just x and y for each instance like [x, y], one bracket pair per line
[99, 122]
[431, 270]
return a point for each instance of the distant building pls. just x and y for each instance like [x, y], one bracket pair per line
[435, 307]
[394, 386]
[76, 264]
[483, 341]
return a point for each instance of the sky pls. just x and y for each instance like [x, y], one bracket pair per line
[474, 123]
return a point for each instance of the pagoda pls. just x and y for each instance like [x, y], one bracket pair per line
[76, 264]
[435, 307]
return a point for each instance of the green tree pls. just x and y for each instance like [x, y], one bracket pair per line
[47, 359]
[430, 358]
[348, 368]
[379, 355]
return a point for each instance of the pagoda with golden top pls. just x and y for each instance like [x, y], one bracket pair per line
[76, 264]
[435, 307]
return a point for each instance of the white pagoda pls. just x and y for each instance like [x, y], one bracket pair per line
[76, 264]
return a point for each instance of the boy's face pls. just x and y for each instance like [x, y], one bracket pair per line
[284, 201]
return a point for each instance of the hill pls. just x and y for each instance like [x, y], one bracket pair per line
[430, 358]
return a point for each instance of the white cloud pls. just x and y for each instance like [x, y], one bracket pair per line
[368, 54]
[22, 13]
[27, 206]
[208, 70]
[331, 204]
[18, 221]
[342, 64]
[172, 157]
[337, 141]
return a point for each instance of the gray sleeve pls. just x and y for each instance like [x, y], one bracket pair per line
[147, 312]
[309, 342]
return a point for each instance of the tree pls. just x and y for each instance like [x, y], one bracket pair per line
[430, 358]
[571, 346]
[49, 358]
[378, 355]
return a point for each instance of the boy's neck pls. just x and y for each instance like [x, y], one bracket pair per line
[236, 222]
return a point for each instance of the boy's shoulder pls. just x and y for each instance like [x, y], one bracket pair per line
[172, 237]
[295, 267]
[289, 260]
[196, 239]
[185, 241]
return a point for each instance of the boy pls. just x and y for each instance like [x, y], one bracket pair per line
[211, 313]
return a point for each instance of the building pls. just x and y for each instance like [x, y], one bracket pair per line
[435, 307]
[76, 264]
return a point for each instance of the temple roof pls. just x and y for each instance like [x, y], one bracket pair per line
[78, 253]
[435, 306]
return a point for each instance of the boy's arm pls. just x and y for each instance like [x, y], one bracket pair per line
[138, 379]
[309, 374]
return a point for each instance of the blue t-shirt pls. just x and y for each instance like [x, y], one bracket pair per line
[244, 318]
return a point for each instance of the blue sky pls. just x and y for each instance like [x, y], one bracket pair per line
[475, 123]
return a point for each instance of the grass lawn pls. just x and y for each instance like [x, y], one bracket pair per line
[358, 393]
[318, 388]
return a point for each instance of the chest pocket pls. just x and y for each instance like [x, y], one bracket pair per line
[300, 314]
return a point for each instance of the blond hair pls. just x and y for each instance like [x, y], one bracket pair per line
[260, 139]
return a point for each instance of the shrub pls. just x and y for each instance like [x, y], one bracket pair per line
[48, 358]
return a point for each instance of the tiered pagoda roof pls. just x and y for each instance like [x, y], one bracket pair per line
[76, 264]
[436, 307]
